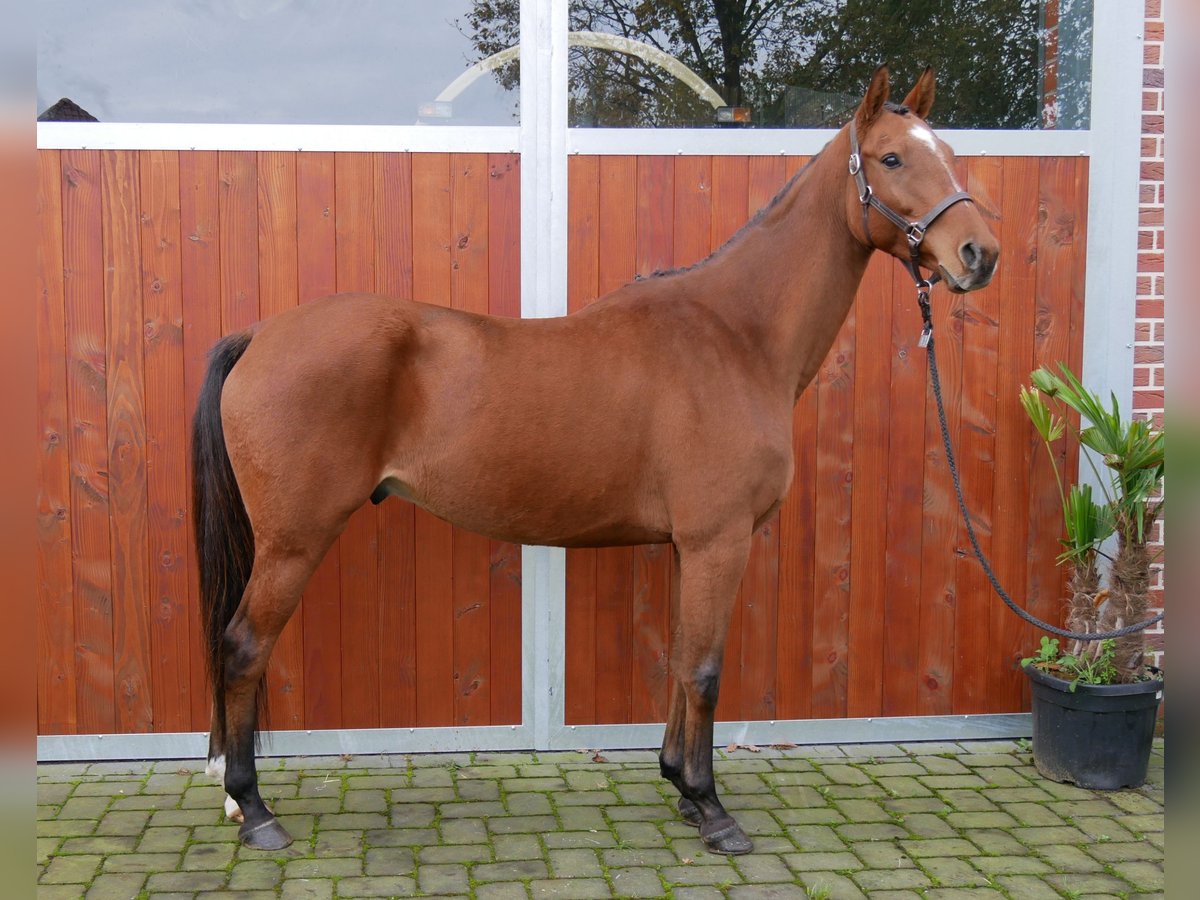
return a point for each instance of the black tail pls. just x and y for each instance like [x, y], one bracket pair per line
[224, 540]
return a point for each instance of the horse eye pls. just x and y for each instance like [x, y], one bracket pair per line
[892, 161]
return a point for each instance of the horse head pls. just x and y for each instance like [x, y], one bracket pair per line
[904, 197]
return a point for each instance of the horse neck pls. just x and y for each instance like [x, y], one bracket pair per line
[789, 280]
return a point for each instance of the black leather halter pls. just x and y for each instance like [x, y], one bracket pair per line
[913, 231]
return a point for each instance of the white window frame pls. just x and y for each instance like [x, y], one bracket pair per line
[545, 141]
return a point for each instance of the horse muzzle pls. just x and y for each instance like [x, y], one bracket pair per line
[979, 266]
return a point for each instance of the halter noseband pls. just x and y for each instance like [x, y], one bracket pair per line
[913, 231]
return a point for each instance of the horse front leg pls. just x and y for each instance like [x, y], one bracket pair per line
[709, 576]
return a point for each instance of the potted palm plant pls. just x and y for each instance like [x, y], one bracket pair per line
[1095, 702]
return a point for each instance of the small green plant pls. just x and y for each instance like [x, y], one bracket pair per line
[1098, 668]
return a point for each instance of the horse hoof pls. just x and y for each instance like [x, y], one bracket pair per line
[268, 835]
[690, 812]
[729, 840]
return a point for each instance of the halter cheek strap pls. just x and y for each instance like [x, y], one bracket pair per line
[914, 231]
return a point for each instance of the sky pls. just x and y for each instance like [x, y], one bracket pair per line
[264, 61]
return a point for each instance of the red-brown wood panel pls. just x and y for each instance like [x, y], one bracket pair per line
[145, 259]
[55, 611]
[200, 286]
[87, 441]
[977, 462]
[859, 600]
[166, 442]
[126, 440]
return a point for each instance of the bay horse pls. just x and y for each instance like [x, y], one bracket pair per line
[662, 413]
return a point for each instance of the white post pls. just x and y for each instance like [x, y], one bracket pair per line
[543, 293]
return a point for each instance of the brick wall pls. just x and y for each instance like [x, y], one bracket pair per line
[1149, 373]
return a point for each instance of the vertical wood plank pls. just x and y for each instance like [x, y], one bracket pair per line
[504, 298]
[238, 195]
[321, 619]
[868, 530]
[397, 563]
[472, 552]
[278, 292]
[1016, 283]
[1052, 305]
[434, 538]
[87, 413]
[55, 608]
[939, 528]
[166, 441]
[977, 460]
[905, 487]
[200, 289]
[126, 441]
[797, 545]
[354, 223]
[831, 564]
[583, 256]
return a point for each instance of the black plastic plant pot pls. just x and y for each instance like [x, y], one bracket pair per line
[1098, 736]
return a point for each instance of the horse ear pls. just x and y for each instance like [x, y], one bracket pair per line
[920, 98]
[872, 104]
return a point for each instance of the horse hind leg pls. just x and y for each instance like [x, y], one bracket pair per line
[272, 594]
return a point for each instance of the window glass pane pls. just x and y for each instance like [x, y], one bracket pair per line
[805, 63]
[271, 61]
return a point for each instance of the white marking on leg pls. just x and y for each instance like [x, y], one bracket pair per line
[216, 768]
[232, 811]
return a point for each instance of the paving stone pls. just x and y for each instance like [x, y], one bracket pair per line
[594, 840]
[639, 858]
[762, 891]
[872, 832]
[517, 824]
[762, 868]
[1088, 883]
[953, 873]
[185, 881]
[511, 870]
[1010, 865]
[1067, 858]
[142, 862]
[307, 889]
[941, 765]
[585, 818]
[1144, 875]
[703, 874]
[1040, 837]
[339, 843]
[829, 884]
[817, 861]
[635, 882]
[528, 804]
[908, 805]
[998, 819]
[376, 887]
[389, 861]
[333, 867]
[102, 846]
[957, 893]
[904, 786]
[255, 874]
[1130, 851]
[208, 856]
[412, 815]
[940, 847]
[570, 889]
[839, 773]
[882, 855]
[516, 846]
[71, 869]
[926, 825]
[863, 811]
[453, 853]
[1028, 887]
[881, 879]
[575, 863]
[501, 890]
[815, 837]
[463, 831]
[969, 801]
[439, 878]
[114, 886]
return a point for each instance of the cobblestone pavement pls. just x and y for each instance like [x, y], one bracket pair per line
[936, 820]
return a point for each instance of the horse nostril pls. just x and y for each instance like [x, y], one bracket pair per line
[971, 255]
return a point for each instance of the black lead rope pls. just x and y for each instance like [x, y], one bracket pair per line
[935, 382]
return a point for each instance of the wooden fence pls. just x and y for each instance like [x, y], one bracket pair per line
[860, 598]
